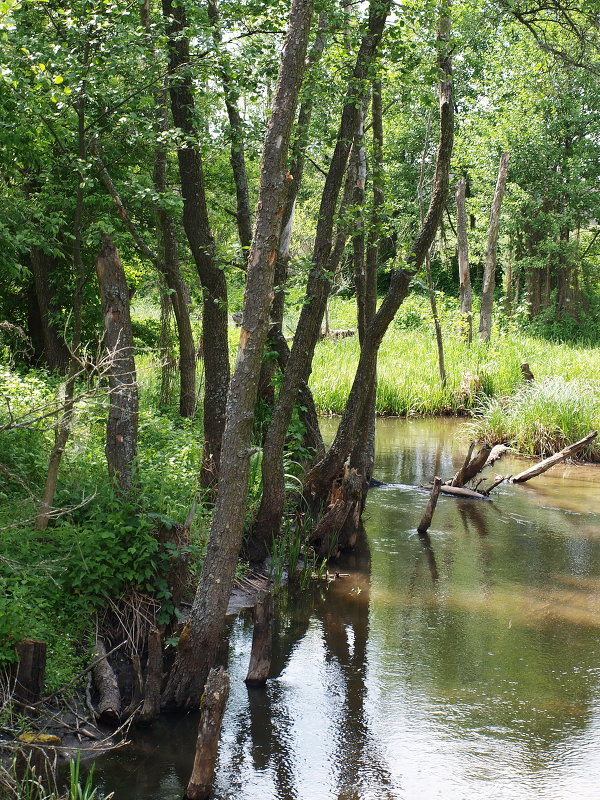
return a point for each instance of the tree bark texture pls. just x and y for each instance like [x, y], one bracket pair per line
[198, 233]
[207, 617]
[464, 275]
[321, 478]
[472, 466]
[122, 425]
[108, 707]
[236, 130]
[423, 526]
[309, 324]
[491, 250]
[168, 264]
[43, 267]
[30, 670]
[212, 708]
[262, 642]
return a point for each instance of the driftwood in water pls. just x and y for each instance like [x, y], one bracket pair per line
[428, 515]
[545, 465]
[262, 637]
[460, 491]
[212, 706]
[471, 466]
[498, 450]
[108, 707]
[30, 670]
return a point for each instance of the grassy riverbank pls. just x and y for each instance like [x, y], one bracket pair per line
[484, 380]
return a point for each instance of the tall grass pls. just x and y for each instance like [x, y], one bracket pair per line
[542, 418]
[408, 378]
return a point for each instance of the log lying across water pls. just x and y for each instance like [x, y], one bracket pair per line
[545, 465]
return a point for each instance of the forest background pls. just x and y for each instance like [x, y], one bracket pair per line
[139, 128]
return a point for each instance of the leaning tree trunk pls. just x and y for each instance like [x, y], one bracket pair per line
[309, 325]
[328, 479]
[198, 648]
[122, 425]
[464, 275]
[489, 273]
[197, 229]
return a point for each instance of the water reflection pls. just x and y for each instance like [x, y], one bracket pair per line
[461, 663]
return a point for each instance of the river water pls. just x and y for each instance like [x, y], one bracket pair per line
[467, 668]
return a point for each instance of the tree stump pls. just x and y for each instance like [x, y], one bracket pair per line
[108, 708]
[30, 670]
[212, 707]
[262, 637]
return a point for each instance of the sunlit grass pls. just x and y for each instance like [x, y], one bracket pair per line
[558, 408]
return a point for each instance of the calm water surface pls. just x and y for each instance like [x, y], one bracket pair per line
[470, 668]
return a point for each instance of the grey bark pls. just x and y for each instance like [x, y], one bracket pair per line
[320, 478]
[122, 424]
[464, 275]
[489, 274]
[236, 126]
[318, 286]
[196, 654]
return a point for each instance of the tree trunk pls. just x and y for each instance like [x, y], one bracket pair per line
[464, 275]
[197, 229]
[321, 482]
[30, 670]
[262, 640]
[309, 325]
[212, 708]
[236, 131]
[43, 266]
[489, 274]
[168, 264]
[108, 707]
[197, 652]
[430, 287]
[122, 425]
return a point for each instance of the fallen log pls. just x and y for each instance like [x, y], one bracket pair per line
[547, 463]
[212, 707]
[108, 707]
[260, 656]
[460, 491]
[428, 515]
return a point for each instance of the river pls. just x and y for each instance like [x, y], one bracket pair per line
[470, 667]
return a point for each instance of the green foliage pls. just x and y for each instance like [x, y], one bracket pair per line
[543, 417]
